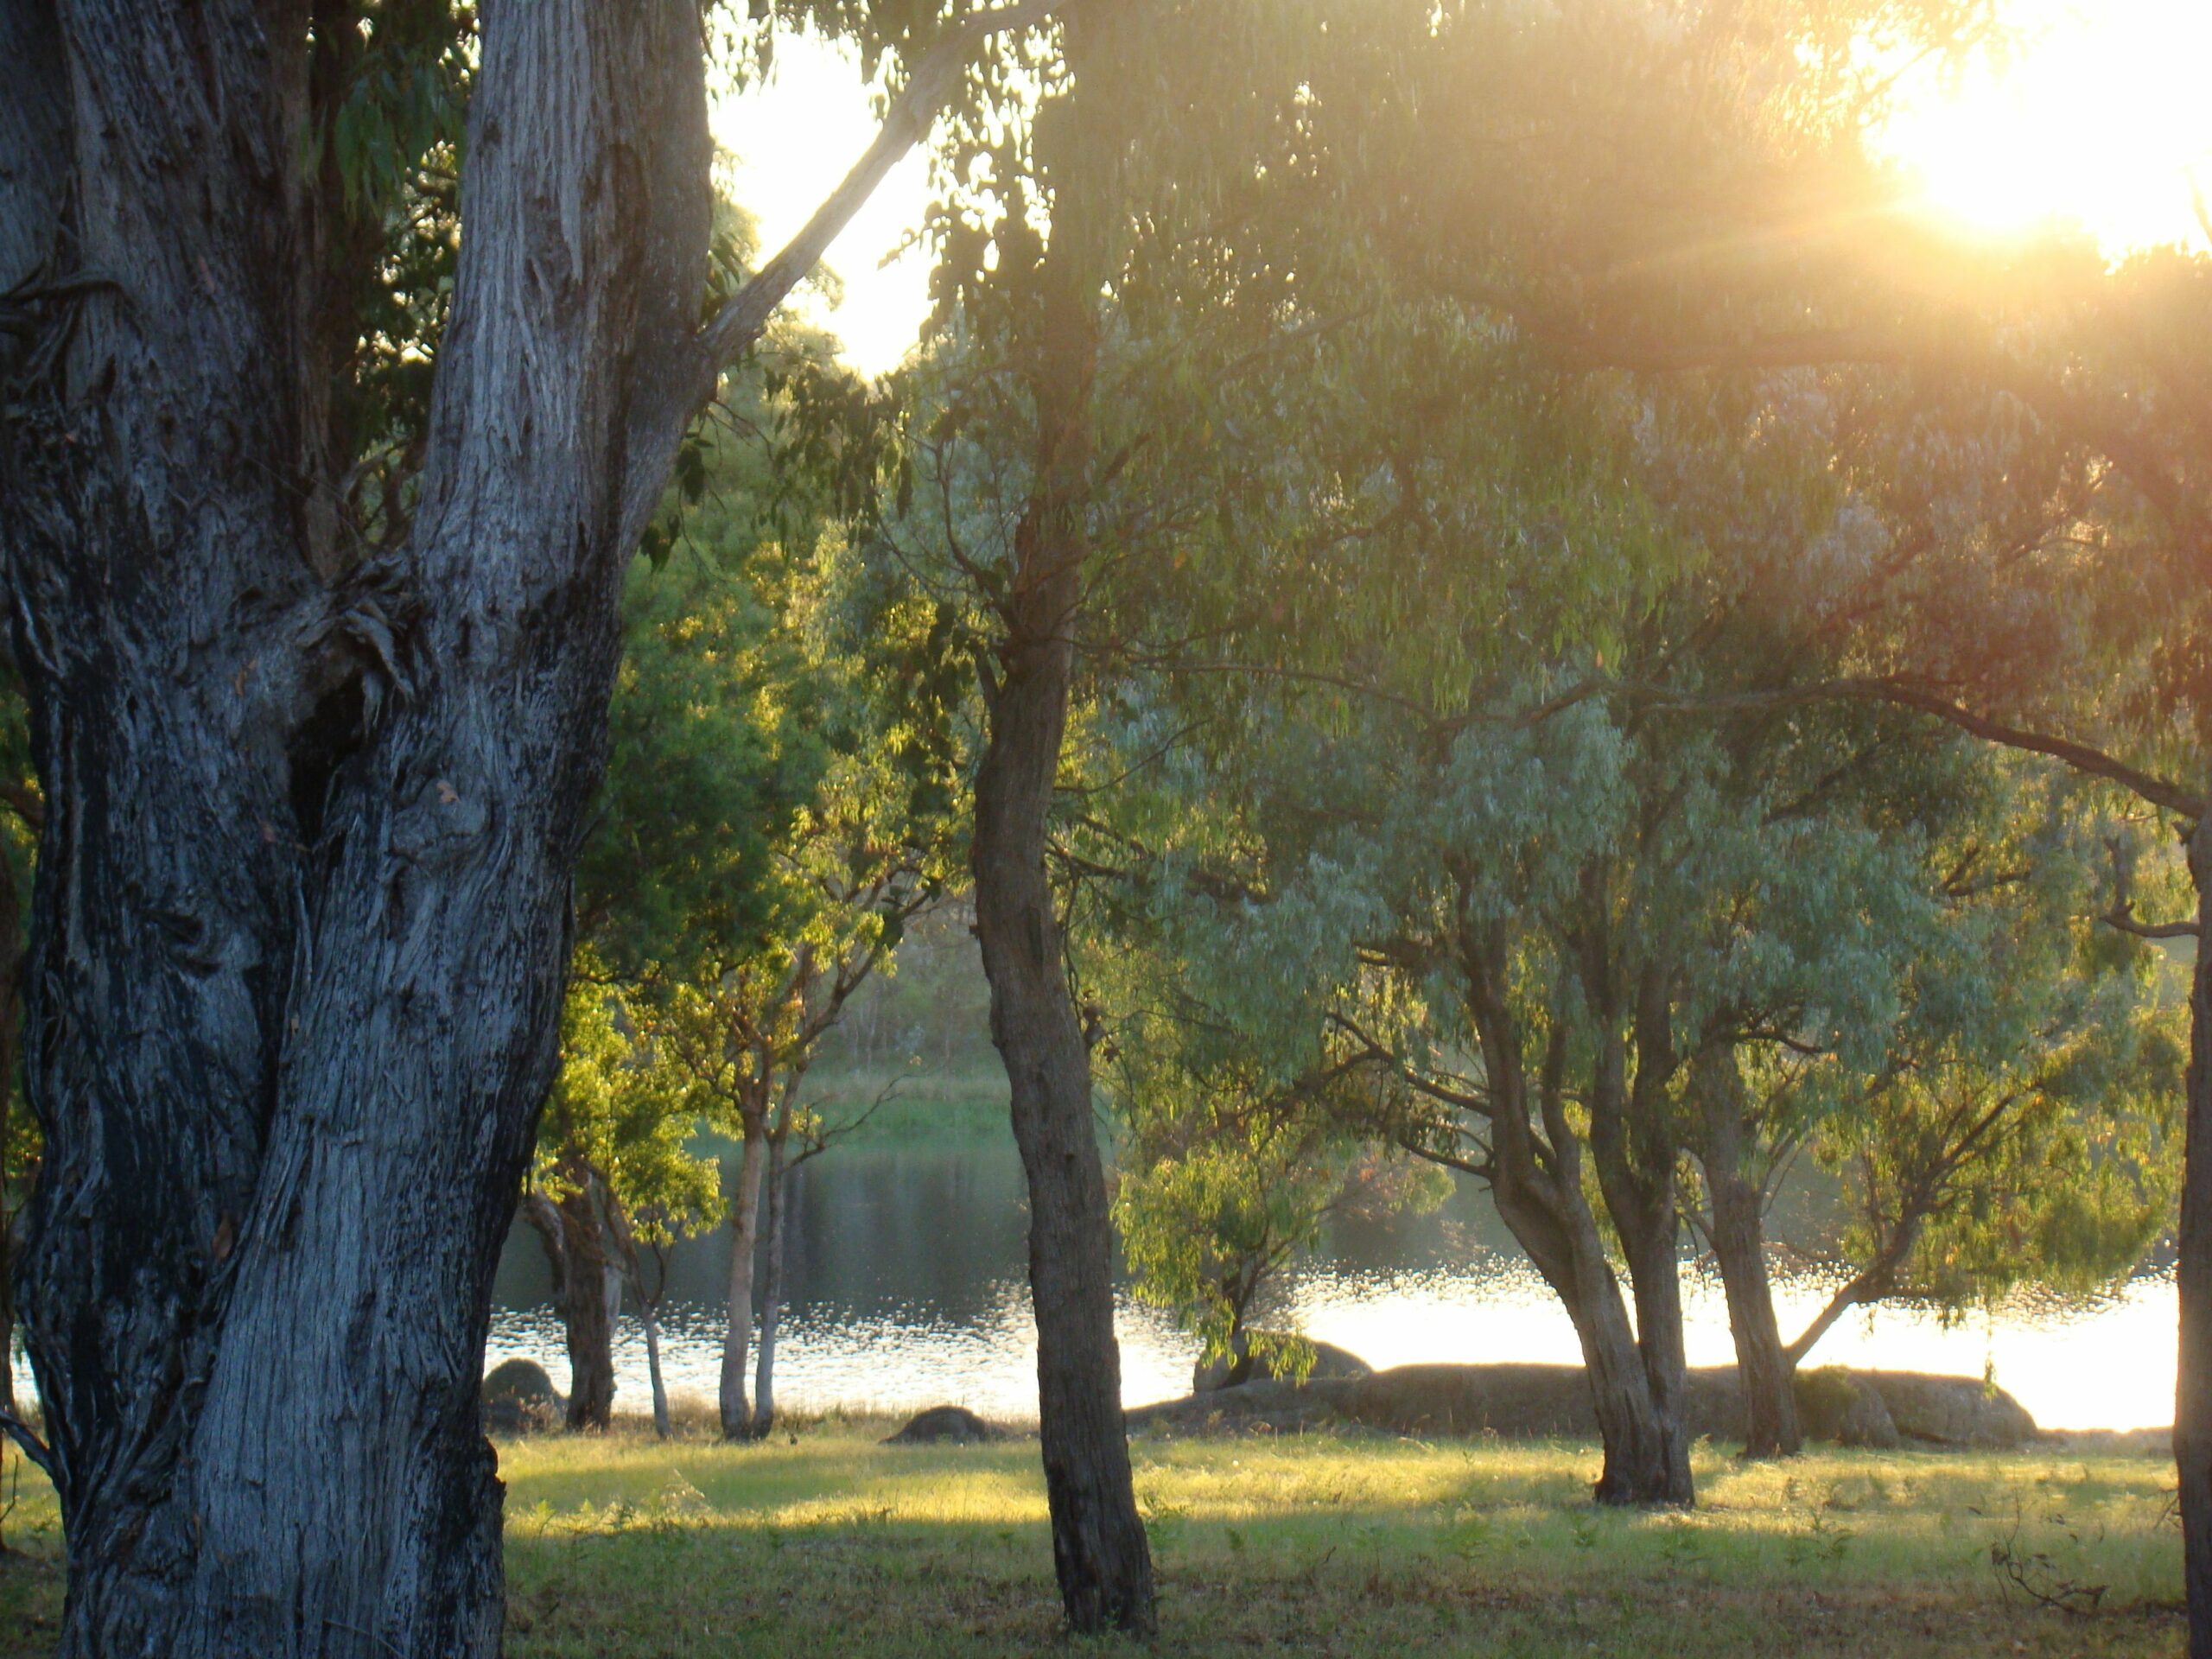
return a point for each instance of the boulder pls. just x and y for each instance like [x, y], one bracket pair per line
[1952, 1410]
[518, 1396]
[1876, 1409]
[1833, 1404]
[1331, 1363]
[947, 1425]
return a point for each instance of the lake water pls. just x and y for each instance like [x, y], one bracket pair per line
[906, 1269]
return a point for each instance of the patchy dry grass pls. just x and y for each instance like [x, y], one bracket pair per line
[621, 1547]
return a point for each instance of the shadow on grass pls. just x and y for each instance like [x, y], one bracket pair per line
[622, 1546]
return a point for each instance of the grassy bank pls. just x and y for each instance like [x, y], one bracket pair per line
[623, 1547]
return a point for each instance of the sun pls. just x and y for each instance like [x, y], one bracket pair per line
[2099, 114]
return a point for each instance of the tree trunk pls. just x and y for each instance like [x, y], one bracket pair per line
[1562, 1238]
[2193, 1386]
[301, 925]
[1764, 1371]
[651, 1315]
[1099, 1549]
[744, 1237]
[772, 1288]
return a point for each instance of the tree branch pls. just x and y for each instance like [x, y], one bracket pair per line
[746, 315]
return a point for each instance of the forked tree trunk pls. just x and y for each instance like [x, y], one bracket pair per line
[771, 1289]
[2193, 1385]
[1099, 1549]
[302, 926]
[737, 1308]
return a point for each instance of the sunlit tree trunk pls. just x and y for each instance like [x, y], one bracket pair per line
[772, 1285]
[744, 1244]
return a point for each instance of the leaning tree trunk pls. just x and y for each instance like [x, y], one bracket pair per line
[650, 1315]
[772, 1291]
[301, 924]
[2193, 1385]
[737, 1309]
[1099, 1549]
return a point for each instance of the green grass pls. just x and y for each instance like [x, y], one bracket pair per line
[622, 1546]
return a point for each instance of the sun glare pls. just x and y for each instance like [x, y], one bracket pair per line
[2098, 115]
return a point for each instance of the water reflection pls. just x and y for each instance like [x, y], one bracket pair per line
[907, 1269]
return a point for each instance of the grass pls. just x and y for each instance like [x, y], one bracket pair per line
[621, 1548]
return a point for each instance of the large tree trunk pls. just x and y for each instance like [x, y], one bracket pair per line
[301, 925]
[1099, 1549]
[737, 1309]
[1764, 1370]
[1537, 1185]
[771, 1289]
[2193, 1386]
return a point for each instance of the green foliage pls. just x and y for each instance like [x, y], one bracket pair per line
[620, 1111]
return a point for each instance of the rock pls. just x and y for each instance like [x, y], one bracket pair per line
[1331, 1363]
[1858, 1408]
[1833, 1404]
[947, 1425]
[1952, 1410]
[518, 1396]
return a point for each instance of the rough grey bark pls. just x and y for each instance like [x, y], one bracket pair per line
[736, 1410]
[2193, 1386]
[1099, 1548]
[301, 922]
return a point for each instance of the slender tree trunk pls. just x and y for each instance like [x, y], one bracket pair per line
[301, 925]
[1764, 1370]
[2193, 1386]
[1100, 1553]
[744, 1239]
[650, 1315]
[771, 1289]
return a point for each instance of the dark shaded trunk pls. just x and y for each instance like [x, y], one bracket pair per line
[1100, 1551]
[572, 1230]
[1099, 1546]
[736, 1410]
[1765, 1371]
[301, 925]
[2193, 1385]
[771, 1286]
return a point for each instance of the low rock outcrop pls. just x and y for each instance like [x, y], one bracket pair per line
[1867, 1409]
[1330, 1363]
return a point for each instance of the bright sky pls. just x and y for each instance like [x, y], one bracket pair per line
[790, 140]
[2101, 117]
